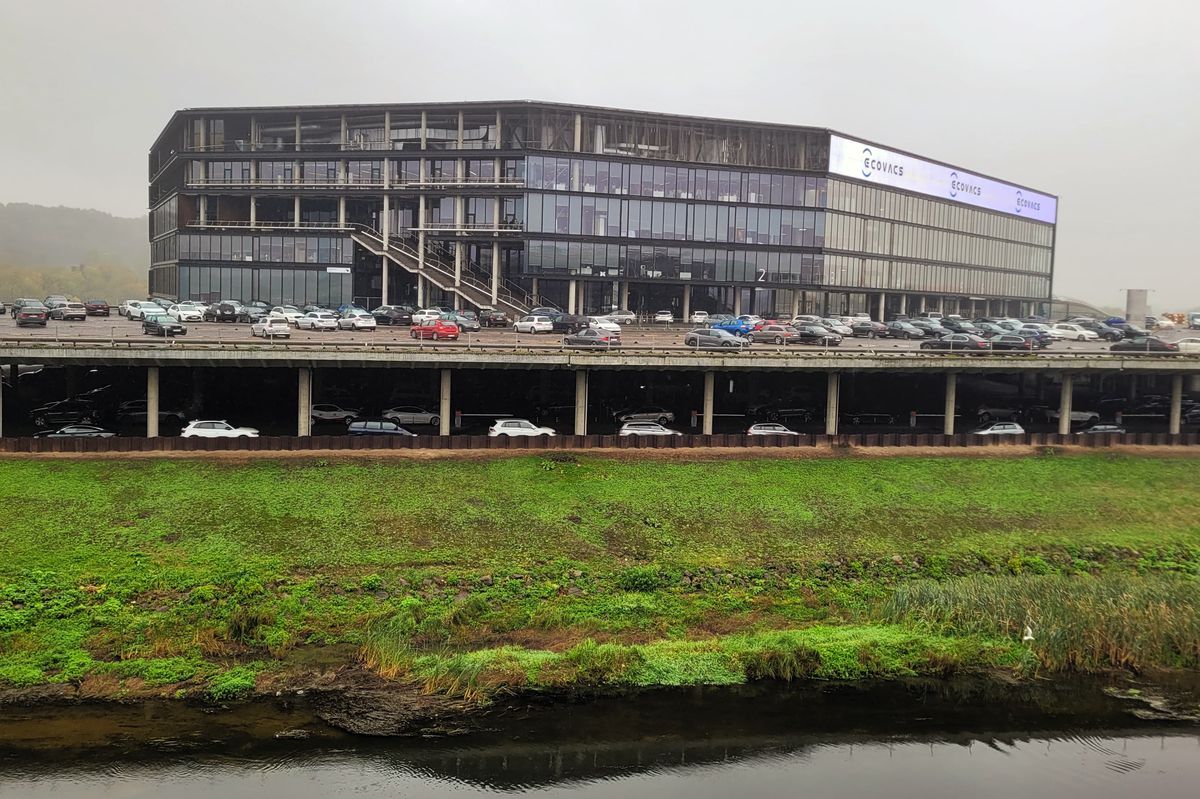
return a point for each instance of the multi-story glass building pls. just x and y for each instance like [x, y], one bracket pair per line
[516, 204]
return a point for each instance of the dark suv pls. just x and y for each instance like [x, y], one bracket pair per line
[489, 318]
[393, 315]
[568, 323]
[64, 412]
[222, 312]
[97, 307]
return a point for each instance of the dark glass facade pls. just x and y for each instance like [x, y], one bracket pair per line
[596, 207]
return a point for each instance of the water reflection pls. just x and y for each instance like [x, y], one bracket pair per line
[920, 739]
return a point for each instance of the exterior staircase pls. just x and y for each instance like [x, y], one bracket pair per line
[473, 284]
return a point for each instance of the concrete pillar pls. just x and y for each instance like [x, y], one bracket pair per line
[151, 401]
[882, 307]
[424, 129]
[495, 268]
[581, 402]
[737, 301]
[625, 296]
[1064, 404]
[444, 405]
[297, 133]
[951, 399]
[533, 290]
[707, 418]
[202, 208]
[341, 211]
[571, 288]
[903, 303]
[253, 210]
[458, 262]
[687, 303]
[296, 211]
[421, 218]
[578, 132]
[304, 402]
[420, 291]
[385, 221]
[941, 305]
[921, 304]
[383, 300]
[833, 390]
[1176, 417]
[795, 303]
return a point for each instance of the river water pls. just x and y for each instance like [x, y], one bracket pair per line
[928, 739]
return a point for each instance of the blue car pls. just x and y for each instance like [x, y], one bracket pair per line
[734, 326]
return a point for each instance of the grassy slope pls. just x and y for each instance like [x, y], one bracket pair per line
[176, 570]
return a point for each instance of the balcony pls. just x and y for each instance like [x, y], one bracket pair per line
[506, 227]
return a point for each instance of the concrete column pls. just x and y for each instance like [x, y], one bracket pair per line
[706, 426]
[385, 221]
[495, 269]
[151, 401]
[941, 305]
[253, 210]
[578, 132]
[581, 402]
[833, 390]
[296, 211]
[304, 402]
[795, 303]
[533, 289]
[202, 208]
[421, 224]
[424, 129]
[460, 132]
[387, 131]
[903, 303]
[1064, 404]
[737, 301]
[444, 405]
[458, 262]
[921, 304]
[687, 302]
[571, 287]
[1176, 417]
[297, 133]
[882, 307]
[420, 291]
[625, 296]
[341, 211]
[951, 399]
[383, 299]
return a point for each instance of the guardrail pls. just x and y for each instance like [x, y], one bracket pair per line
[120, 444]
[531, 343]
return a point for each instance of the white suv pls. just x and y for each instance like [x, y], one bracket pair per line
[646, 429]
[217, 429]
[518, 427]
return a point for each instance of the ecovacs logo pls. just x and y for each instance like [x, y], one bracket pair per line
[1022, 203]
[958, 185]
[871, 165]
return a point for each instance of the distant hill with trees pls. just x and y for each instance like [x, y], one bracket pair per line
[72, 251]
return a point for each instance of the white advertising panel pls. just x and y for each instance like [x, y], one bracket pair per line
[888, 168]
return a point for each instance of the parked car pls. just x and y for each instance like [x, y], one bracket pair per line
[815, 334]
[123, 307]
[225, 311]
[987, 413]
[712, 338]
[317, 320]
[410, 414]
[930, 327]
[271, 327]
[96, 307]
[1129, 329]
[646, 429]
[958, 342]
[904, 330]
[377, 427]
[358, 320]
[137, 410]
[958, 325]
[590, 337]
[465, 321]
[1100, 329]
[735, 326]
[1011, 341]
[698, 318]
[1144, 344]
[216, 429]
[773, 412]
[161, 325]
[1087, 417]
[865, 328]
[603, 323]
[770, 429]
[349, 307]
[1191, 345]
[776, 334]
[990, 329]
[1101, 429]
[868, 417]
[534, 324]
[1044, 330]
[185, 312]
[141, 310]
[999, 429]
[518, 427]
[426, 315]
[390, 315]
[567, 323]
[253, 312]
[76, 431]
[328, 412]
[435, 330]
[289, 312]
[63, 412]
[645, 413]
[623, 317]
[22, 302]
[491, 318]
[54, 299]
[29, 314]
[1075, 332]
[836, 326]
[664, 318]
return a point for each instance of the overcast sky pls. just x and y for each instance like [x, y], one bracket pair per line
[1097, 102]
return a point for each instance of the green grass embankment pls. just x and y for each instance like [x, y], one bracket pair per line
[539, 572]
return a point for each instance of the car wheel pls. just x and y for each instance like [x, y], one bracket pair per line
[412, 334]
[40, 421]
[778, 339]
[1081, 338]
[853, 420]
[728, 344]
[434, 336]
[434, 421]
[348, 419]
[662, 420]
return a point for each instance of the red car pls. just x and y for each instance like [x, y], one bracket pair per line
[437, 329]
[96, 307]
[33, 315]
